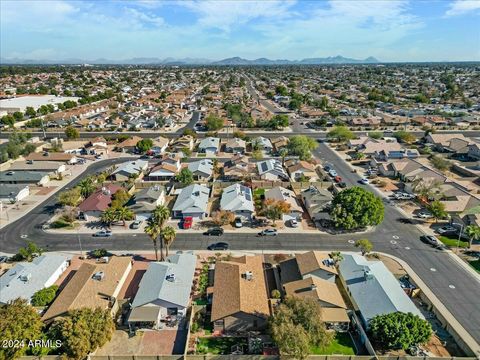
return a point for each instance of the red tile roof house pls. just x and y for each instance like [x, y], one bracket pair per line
[98, 202]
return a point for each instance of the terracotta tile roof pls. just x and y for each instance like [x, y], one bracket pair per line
[84, 291]
[313, 260]
[233, 293]
[334, 315]
[318, 289]
[130, 142]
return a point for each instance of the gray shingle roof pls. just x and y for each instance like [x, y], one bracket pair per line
[155, 286]
[192, 199]
[237, 197]
[374, 288]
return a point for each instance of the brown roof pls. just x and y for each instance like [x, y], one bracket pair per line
[84, 291]
[100, 200]
[54, 156]
[233, 293]
[313, 260]
[301, 165]
[318, 289]
[334, 315]
[130, 142]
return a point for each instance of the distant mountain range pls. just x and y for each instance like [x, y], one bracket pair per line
[195, 61]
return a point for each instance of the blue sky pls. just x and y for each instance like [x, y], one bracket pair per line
[391, 30]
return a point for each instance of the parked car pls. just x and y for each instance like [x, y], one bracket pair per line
[364, 181]
[292, 223]
[473, 253]
[332, 173]
[268, 232]
[447, 229]
[337, 179]
[136, 224]
[3, 259]
[238, 222]
[342, 184]
[432, 240]
[102, 233]
[218, 246]
[425, 215]
[214, 232]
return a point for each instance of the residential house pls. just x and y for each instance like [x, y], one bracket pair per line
[202, 169]
[237, 168]
[13, 192]
[280, 143]
[272, 169]
[163, 295]
[35, 178]
[239, 295]
[167, 169]
[474, 151]
[262, 143]
[386, 154]
[146, 200]
[52, 156]
[281, 194]
[192, 202]
[128, 170]
[98, 202]
[301, 170]
[209, 146]
[373, 146]
[236, 146]
[93, 285]
[97, 145]
[184, 142]
[160, 145]
[239, 200]
[26, 278]
[129, 145]
[51, 167]
[317, 202]
[309, 264]
[453, 143]
[373, 289]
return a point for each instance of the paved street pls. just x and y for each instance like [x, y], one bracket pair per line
[456, 288]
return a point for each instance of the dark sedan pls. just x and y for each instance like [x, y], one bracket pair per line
[218, 246]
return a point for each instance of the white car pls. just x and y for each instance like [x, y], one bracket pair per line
[424, 215]
[293, 223]
[364, 181]
[332, 173]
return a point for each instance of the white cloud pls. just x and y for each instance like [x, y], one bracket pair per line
[460, 7]
[223, 15]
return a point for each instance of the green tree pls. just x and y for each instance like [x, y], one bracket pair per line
[375, 135]
[82, 331]
[213, 122]
[18, 116]
[87, 186]
[168, 235]
[44, 296]
[124, 214]
[297, 325]
[301, 146]
[154, 227]
[281, 90]
[70, 197]
[21, 322]
[274, 209]
[473, 233]
[109, 216]
[440, 163]
[355, 208]
[30, 111]
[120, 198]
[185, 177]
[437, 209]
[340, 134]
[29, 252]
[257, 154]
[144, 145]
[400, 330]
[426, 189]
[8, 120]
[405, 137]
[365, 246]
[71, 133]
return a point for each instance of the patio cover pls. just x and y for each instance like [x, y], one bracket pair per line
[144, 314]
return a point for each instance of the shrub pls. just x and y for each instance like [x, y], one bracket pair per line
[45, 296]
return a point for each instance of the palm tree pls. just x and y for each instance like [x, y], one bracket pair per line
[123, 213]
[473, 233]
[283, 152]
[87, 187]
[168, 235]
[109, 216]
[153, 230]
[426, 189]
[159, 216]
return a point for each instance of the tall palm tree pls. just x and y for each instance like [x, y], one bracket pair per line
[168, 235]
[473, 233]
[159, 217]
[153, 230]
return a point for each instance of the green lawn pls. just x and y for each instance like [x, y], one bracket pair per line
[475, 264]
[259, 192]
[341, 345]
[219, 345]
[452, 242]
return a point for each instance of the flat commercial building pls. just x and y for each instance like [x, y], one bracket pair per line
[22, 102]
